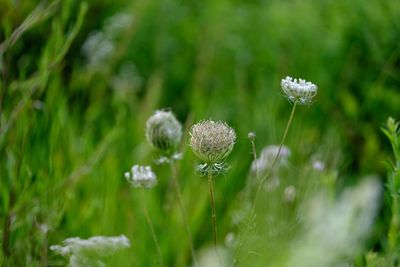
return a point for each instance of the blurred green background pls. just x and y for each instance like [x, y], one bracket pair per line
[78, 81]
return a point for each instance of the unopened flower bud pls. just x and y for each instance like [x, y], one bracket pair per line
[251, 135]
[164, 131]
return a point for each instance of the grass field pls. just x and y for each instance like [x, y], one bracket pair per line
[80, 79]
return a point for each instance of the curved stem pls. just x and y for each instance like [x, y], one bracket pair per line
[266, 176]
[263, 179]
[254, 152]
[177, 187]
[153, 233]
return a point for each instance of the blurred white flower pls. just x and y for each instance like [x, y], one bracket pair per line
[251, 135]
[318, 165]
[336, 231]
[90, 252]
[127, 79]
[141, 176]
[273, 183]
[267, 156]
[230, 240]
[208, 257]
[117, 23]
[289, 194]
[98, 49]
[101, 44]
[299, 91]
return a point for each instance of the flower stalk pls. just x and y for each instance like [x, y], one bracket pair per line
[212, 200]
[177, 188]
[267, 175]
[151, 227]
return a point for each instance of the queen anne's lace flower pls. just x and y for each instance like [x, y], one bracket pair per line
[164, 131]
[212, 142]
[267, 157]
[340, 226]
[90, 252]
[141, 176]
[299, 91]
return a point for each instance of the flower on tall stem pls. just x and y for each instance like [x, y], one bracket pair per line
[212, 142]
[299, 91]
[164, 133]
[143, 176]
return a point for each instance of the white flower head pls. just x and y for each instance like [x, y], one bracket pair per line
[213, 257]
[318, 165]
[289, 194]
[267, 156]
[299, 91]
[118, 23]
[90, 252]
[141, 176]
[98, 49]
[340, 226]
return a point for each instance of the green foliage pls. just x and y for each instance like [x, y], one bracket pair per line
[79, 79]
[392, 132]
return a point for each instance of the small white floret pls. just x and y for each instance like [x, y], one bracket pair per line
[299, 91]
[141, 176]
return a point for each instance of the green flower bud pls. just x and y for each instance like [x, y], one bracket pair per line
[212, 141]
[163, 131]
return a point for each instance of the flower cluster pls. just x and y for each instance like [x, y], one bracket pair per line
[101, 44]
[299, 91]
[90, 252]
[141, 176]
[212, 142]
[340, 226]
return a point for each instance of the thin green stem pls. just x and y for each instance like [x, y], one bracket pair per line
[153, 233]
[214, 217]
[263, 179]
[254, 152]
[177, 187]
[394, 224]
[6, 235]
[393, 233]
[267, 175]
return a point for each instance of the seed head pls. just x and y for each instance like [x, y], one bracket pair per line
[163, 131]
[300, 92]
[141, 176]
[212, 141]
